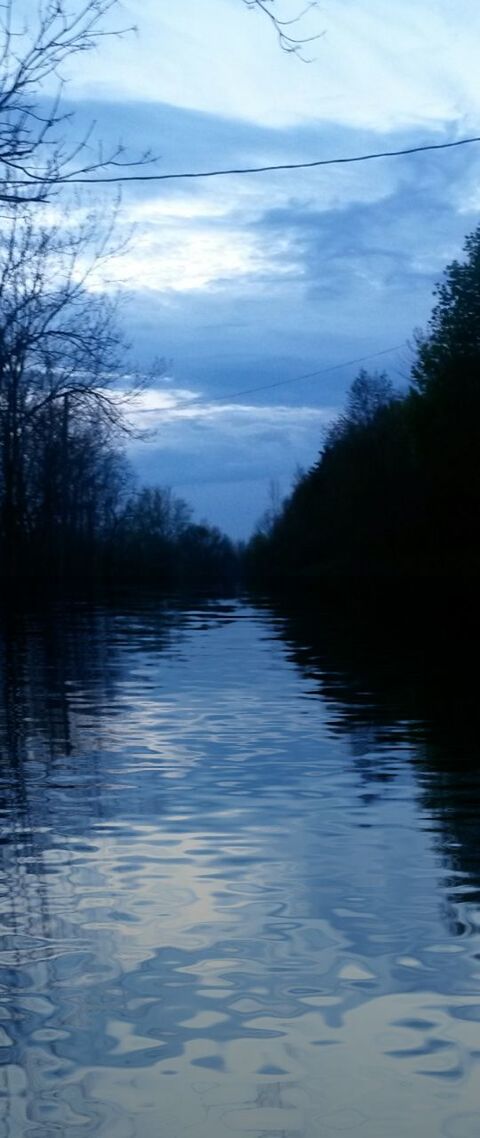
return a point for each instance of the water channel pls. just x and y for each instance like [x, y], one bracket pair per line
[239, 876]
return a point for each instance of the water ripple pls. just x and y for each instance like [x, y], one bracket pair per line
[238, 885]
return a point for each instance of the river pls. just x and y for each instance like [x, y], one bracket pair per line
[239, 875]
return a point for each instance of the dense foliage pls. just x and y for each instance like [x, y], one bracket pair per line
[396, 488]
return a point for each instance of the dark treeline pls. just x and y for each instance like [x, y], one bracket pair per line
[69, 510]
[68, 507]
[71, 513]
[396, 488]
[154, 540]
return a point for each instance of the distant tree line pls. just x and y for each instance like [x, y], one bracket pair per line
[154, 540]
[396, 488]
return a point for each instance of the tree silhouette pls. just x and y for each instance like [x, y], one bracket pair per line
[36, 156]
[453, 335]
[396, 489]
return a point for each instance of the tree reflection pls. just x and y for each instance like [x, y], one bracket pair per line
[395, 674]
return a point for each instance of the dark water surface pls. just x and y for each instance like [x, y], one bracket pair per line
[239, 877]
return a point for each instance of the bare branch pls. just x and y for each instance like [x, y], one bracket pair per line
[30, 142]
[289, 43]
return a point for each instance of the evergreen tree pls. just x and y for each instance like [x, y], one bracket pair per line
[452, 341]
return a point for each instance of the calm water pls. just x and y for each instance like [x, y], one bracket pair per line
[239, 877]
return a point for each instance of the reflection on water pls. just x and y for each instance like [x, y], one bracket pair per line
[239, 878]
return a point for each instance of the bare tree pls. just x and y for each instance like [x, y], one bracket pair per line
[62, 399]
[269, 518]
[61, 353]
[35, 152]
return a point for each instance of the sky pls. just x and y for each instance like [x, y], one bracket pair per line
[243, 282]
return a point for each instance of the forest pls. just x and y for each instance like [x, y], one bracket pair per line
[69, 505]
[395, 492]
[70, 509]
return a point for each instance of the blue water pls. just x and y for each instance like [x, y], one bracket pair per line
[239, 879]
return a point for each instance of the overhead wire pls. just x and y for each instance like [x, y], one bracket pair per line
[81, 179]
[195, 400]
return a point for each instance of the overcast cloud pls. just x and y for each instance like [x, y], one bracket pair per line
[244, 282]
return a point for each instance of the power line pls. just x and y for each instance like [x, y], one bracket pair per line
[76, 179]
[268, 386]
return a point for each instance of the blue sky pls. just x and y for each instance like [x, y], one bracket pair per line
[240, 282]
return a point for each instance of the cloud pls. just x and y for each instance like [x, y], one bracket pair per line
[246, 281]
[321, 280]
[413, 68]
[299, 234]
[167, 409]
[240, 445]
[186, 259]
